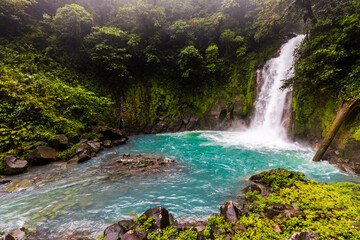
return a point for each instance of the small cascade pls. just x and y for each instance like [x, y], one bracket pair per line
[272, 102]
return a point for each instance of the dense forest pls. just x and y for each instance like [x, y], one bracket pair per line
[79, 76]
[69, 65]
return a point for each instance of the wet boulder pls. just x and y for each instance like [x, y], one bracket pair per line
[95, 146]
[130, 235]
[42, 155]
[59, 142]
[161, 217]
[252, 188]
[200, 226]
[230, 212]
[18, 234]
[13, 165]
[111, 133]
[126, 224]
[34, 146]
[107, 144]
[304, 235]
[114, 232]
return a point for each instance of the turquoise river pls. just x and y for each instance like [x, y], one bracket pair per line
[214, 168]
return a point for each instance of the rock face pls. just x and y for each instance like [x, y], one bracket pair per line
[230, 212]
[161, 216]
[304, 235]
[14, 165]
[42, 155]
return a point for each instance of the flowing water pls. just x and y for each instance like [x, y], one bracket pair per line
[214, 169]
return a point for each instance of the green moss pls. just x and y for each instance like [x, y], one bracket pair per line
[101, 237]
[277, 178]
[42, 99]
[189, 234]
[165, 234]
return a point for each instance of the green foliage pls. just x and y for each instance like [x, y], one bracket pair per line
[332, 211]
[165, 234]
[328, 67]
[188, 234]
[42, 99]
[190, 62]
[72, 21]
[278, 178]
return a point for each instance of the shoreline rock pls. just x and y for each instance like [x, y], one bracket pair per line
[59, 148]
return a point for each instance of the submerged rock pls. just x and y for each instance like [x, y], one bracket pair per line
[17, 185]
[128, 165]
[14, 165]
[42, 155]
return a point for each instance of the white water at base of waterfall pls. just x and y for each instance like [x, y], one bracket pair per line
[267, 125]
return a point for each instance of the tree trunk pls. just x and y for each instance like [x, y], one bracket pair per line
[341, 115]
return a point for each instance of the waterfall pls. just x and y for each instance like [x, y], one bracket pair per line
[271, 102]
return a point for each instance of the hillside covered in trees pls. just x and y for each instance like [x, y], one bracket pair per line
[155, 66]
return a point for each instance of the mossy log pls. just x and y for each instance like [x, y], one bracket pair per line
[344, 110]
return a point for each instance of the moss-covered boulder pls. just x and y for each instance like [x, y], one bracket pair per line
[277, 178]
[42, 155]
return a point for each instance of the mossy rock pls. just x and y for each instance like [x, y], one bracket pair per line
[277, 178]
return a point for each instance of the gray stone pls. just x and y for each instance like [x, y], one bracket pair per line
[107, 144]
[42, 155]
[14, 165]
[114, 232]
[16, 235]
[252, 188]
[230, 212]
[95, 146]
[161, 216]
[130, 235]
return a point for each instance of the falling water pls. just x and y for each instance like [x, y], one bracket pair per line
[271, 102]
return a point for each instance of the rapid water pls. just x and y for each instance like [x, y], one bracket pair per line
[214, 169]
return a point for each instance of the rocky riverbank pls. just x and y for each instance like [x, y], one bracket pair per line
[60, 148]
[279, 204]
